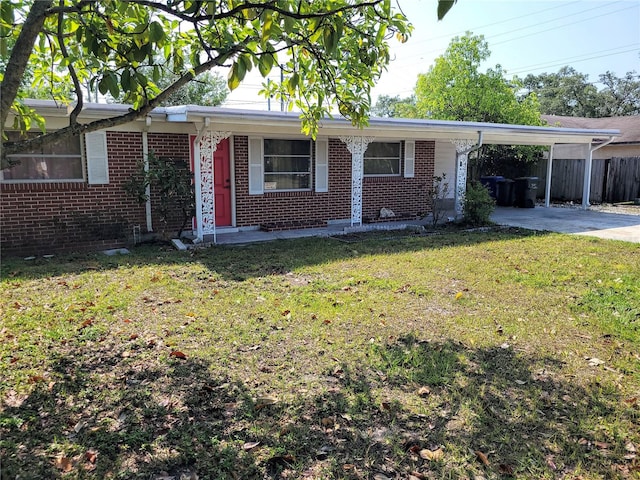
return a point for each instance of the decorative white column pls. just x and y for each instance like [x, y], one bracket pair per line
[207, 144]
[357, 146]
[463, 147]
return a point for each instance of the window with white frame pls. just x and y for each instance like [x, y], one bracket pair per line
[382, 159]
[287, 164]
[52, 162]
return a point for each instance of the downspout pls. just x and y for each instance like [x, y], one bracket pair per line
[586, 190]
[145, 156]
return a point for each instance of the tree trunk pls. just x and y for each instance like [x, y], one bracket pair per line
[20, 56]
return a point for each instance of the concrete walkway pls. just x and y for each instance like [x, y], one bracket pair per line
[612, 226]
[555, 219]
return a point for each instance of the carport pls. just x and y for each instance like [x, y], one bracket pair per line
[470, 136]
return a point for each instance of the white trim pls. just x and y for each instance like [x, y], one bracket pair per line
[256, 165]
[409, 158]
[97, 158]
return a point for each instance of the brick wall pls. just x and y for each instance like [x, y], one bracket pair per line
[53, 217]
[176, 147]
[40, 218]
[275, 207]
[405, 196]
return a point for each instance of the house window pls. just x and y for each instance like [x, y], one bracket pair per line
[382, 159]
[287, 165]
[52, 162]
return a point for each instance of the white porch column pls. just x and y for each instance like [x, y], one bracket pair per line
[463, 148]
[586, 186]
[205, 145]
[547, 187]
[357, 146]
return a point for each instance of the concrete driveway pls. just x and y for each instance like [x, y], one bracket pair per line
[611, 226]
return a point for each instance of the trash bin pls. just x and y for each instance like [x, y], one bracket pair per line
[491, 184]
[504, 192]
[525, 192]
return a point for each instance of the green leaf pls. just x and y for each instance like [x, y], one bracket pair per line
[265, 64]
[330, 39]
[444, 6]
[156, 32]
[125, 80]
[234, 78]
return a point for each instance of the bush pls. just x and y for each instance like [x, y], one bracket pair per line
[478, 205]
[437, 193]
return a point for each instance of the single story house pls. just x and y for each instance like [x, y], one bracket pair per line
[615, 174]
[252, 169]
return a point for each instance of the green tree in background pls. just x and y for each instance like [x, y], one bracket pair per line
[454, 88]
[567, 92]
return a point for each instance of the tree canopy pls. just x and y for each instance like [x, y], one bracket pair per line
[332, 52]
[454, 88]
[570, 93]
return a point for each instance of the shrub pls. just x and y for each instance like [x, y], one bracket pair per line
[478, 205]
[437, 194]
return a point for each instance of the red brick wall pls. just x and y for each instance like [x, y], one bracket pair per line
[274, 207]
[40, 218]
[405, 196]
[175, 146]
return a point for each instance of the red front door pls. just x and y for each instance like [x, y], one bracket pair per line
[222, 182]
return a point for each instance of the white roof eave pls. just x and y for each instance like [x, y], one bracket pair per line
[251, 122]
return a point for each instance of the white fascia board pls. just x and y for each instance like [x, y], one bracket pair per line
[254, 122]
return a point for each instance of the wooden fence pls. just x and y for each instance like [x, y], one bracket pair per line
[612, 180]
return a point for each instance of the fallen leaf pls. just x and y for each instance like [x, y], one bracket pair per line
[326, 322]
[431, 455]
[601, 445]
[262, 402]
[327, 422]
[79, 426]
[91, 456]
[594, 362]
[380, 476]
[178, 354]
[418, 475]
[250, 446]
[86, 323]
[63, 463]
[505, 469]
[36, 378]
[424, 391]
[459, 295]
[347, 467]
[482, 457]
[133, 336]
[630, 447]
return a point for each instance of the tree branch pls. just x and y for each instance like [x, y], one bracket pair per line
[10, 148]
[73, 117]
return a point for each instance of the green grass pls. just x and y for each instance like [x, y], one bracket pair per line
[342, 358]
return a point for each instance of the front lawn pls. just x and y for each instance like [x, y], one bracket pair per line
[498, 354]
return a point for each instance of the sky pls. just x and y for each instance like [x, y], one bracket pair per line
[524, 36]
